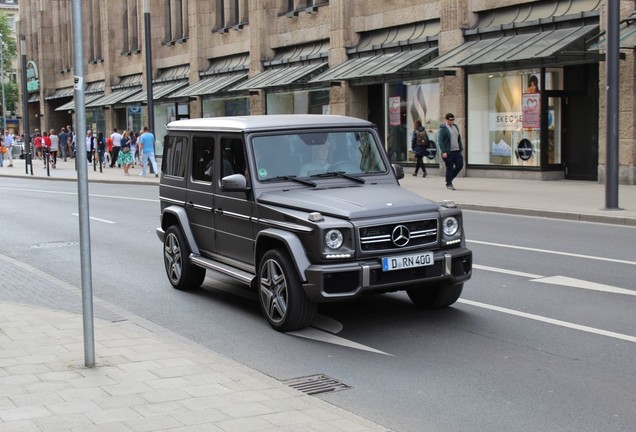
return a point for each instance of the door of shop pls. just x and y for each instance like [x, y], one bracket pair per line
[580, 123]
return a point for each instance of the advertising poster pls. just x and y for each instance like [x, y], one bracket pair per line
[394, 111]
[531, 111]
[505, 117]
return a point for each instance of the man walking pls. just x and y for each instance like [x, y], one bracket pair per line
[8, 143]
[450, 144]
[147, 150]
[116, 137]
[64, 143]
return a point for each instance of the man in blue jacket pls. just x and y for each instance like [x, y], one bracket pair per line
[450, 144]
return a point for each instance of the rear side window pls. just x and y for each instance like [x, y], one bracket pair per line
[174, 156]
[202, 158]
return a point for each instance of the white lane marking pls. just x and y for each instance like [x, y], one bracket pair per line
[560, 280]
[96, 219]
[75, 193]
[597, 258]
[578, 283]
[321, 336]
[551, 321]
[506, 271]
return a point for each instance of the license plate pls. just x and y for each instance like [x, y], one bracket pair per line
[407, 261]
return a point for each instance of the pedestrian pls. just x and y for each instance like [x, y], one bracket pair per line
[147, 149]
[90, 142]
[101, 148]
[37, 142]
[63, 143]
[419, 141]
[125, 159]
[3, 151]
[8, 144]
[46, 147]
[116, 137]
[133, 147]
[108, 156]
[55, 146]
[450, 144]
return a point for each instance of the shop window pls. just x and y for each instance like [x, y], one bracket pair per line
[422, 103]
[298, 102]
[221, 107]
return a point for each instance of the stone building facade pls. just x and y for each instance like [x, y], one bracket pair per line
[524, 79]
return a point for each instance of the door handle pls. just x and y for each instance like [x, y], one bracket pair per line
[189, 204]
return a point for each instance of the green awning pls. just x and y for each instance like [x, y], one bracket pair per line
[158, 91]
[280, 76]
[560, 45]
[70, 106]
[114, 97]
[209, 85]
[379, 65]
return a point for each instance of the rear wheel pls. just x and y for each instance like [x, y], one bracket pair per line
[176, 257]
[435, 296]
[282, 299]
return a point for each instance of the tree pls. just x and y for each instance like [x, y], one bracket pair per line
[9, 49]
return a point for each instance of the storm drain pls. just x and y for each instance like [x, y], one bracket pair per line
[315, 384]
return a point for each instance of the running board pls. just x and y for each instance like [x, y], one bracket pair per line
[233, 272]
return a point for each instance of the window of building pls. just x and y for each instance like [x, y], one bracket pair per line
[176, 16]
[221, 107]
[298, 102]
[95, 51]
[231, 13]
[505, 121]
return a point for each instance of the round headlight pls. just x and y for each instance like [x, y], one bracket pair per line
[450, 225]
[333, 239]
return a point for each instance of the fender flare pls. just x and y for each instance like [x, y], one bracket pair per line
[181, 216]
[292, 243]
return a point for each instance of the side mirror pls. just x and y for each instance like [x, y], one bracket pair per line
[398, 170]
[234, 183]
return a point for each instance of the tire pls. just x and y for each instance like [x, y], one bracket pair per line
[282, 299]
[176, 257]
[435, 296]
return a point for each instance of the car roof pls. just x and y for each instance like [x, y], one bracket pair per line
[265, 122]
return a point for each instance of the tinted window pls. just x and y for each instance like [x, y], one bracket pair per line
[202, 158]
[174, 156]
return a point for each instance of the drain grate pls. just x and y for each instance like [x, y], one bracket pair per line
[315, 384]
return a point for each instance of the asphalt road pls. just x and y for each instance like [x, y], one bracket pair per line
[542, 339]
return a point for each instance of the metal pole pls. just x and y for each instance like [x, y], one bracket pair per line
[25, 107]
[82, 185]
[148, 46]
[612, 79]
[4, 103]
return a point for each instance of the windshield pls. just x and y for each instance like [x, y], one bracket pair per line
[309, 154]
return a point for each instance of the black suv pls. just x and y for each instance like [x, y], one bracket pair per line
[304, 209]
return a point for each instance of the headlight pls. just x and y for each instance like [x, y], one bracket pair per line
[333, 239]
[450, 226]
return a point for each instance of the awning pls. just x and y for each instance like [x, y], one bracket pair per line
[34, 97]
[113, 98]
[380, 65]
[280, 76]
[626, 36]
[209, 85]
[562, 45]
[158, 91]
[70, 106]
[61, 93]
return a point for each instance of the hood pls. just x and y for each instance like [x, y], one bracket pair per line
[352, 202]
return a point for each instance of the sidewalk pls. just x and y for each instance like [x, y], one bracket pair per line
[146, 378]
[564, 199]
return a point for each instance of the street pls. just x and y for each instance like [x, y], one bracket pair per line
[542, 338]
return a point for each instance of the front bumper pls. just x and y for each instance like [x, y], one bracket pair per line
[337, 281]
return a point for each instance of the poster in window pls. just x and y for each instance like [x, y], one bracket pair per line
[394, 111]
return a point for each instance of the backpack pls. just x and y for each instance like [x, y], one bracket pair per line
[421, 138]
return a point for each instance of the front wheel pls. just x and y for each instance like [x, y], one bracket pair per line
[435, 296]
[182, 274]
[282, 299]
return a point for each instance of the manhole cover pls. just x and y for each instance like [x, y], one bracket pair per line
[50, 245]
[315, 384]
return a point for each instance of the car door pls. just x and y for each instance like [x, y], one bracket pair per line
[233, 210]
[200, 195]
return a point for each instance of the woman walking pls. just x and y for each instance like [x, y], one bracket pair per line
[125, 155]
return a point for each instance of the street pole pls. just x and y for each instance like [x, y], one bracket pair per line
[25, 107]
[82, 185]
[148, 46]
[612, 84]
[4, 103]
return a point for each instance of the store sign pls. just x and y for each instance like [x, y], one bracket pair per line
[33, 82]
[134, 109]
[505, 121]
[525, 149]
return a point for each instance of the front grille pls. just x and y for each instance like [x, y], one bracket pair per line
[378, 237]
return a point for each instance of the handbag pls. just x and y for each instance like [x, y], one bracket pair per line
[3, 149]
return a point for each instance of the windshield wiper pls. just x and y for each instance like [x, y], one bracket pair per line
[340, 174]
[293, 178]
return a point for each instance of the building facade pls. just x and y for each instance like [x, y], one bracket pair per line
[523, 78]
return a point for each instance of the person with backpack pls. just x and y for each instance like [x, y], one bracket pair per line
[419, 142]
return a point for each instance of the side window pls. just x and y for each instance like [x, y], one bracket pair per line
[174, 159]
[233, 156]
[202, 158]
